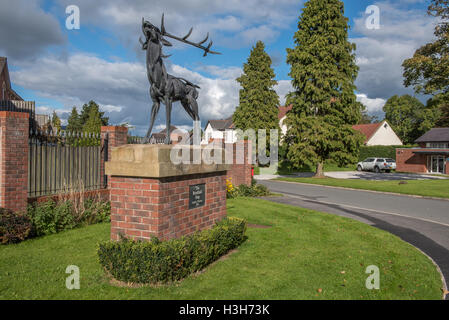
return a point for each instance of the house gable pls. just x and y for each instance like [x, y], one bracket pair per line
[384, 136]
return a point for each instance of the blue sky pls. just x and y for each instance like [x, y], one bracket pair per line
[60, 68]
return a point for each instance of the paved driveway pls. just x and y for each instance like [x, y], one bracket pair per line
[365, 175]
[422, 222]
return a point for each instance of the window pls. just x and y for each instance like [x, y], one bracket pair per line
[437, 145]
[380, 160]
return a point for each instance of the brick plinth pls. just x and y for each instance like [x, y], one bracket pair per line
[145, 207]
[14, 131]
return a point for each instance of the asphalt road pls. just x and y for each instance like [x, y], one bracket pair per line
[422, 222]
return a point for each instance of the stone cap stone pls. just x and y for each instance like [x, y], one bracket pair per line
[153, 161]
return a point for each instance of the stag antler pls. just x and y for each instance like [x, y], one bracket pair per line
[184, 39]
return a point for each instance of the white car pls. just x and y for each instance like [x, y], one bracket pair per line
[377, 165]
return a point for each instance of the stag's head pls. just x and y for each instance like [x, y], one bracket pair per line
[156, 35]
[153, 34]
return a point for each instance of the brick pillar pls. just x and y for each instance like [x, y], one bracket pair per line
[111, 136]
[240, 172]
[14, 132]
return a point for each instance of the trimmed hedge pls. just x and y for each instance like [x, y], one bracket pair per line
[379, 151]
[13, 227]
[161, 262]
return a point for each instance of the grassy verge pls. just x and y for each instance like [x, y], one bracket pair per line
[427, 188]
[304, 255]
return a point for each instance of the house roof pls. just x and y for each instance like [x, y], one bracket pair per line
[368, 129]
[2, 63]
[4, 67]
[435, 135]
[283, 111]
[221, 125]
[172, 128]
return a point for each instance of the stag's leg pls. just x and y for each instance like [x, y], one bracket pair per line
[154, 112]
[191, 98]
[168, 102]
[187, 108]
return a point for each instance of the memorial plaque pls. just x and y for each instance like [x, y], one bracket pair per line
[197, 195]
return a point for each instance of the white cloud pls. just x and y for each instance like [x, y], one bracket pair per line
[282, 88]
[380, 53]
[373, 106]
[231, 22]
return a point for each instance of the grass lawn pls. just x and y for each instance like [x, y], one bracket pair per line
[304, 255]
[428, 188]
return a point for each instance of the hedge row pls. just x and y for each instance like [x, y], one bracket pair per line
[379, 151]
[161, 262]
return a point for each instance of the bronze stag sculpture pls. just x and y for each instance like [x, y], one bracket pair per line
[166, 88]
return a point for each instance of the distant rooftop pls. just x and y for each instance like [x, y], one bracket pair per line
[435, 135]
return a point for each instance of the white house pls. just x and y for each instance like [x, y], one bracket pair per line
[219, 129]
[282, 115]
[378, 134]
[224, 129]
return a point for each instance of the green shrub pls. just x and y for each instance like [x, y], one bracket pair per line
[255, 190]
[96, 212]
[160, 262]
[13, 227]
[52, 217]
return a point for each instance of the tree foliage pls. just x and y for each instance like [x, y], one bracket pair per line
[428, 70]
[55, 122]
[365, 117]
[74, 121]
[94, 120]
[323, 70]
[85, 113]
[258, 101]
[440, 103]
[409, 118]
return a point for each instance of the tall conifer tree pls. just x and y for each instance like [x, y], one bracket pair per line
[323, 70]
[94, 121]
[73, 122]
[258, 101]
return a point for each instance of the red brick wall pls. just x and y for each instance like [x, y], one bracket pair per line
[407, 161]
[116, 136]
[14, 131]
[145, 207]
[239, 173]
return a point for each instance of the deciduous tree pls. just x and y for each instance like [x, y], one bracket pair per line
[409, 118]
